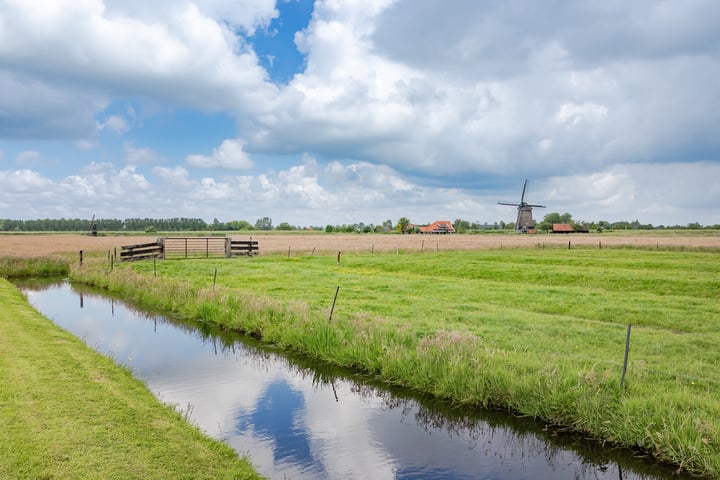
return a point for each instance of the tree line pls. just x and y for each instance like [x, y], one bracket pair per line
[403, 225]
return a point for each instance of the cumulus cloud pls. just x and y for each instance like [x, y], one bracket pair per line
[229, 154]
[114, 123]
[409, 106]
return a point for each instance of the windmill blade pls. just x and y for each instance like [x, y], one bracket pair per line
[522, 197]
[511, 204]
[517, 220]
[538, 206]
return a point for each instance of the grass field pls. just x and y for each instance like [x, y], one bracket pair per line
[537, 331]
[67, 412]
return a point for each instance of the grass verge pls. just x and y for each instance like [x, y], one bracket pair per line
[67, 412]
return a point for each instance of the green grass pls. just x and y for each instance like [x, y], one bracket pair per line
[67, 412]
[538, 332]
[13, 267]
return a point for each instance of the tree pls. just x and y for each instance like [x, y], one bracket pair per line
[461, 226]
[403, 224]
[554, 217]
[284, 226]
[264, 223]
[240, 225]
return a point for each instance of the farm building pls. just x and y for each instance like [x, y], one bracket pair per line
[562, 228]
[441, 226]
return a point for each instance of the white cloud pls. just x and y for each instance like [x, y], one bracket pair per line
[115, 123]
[229, 154]
[135, 156]
[402, 104]
[176, 177]
[571, 114]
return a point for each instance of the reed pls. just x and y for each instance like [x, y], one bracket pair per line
[541, 334]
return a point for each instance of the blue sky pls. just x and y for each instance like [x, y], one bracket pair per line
[317, 112]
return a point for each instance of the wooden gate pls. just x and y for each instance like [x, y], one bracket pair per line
[190, 247]
[194, 247]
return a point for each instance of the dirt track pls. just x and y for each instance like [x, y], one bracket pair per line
[37, 245]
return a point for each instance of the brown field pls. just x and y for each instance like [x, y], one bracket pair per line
[306, 243]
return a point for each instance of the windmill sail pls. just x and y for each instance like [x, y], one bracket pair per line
[524, 221]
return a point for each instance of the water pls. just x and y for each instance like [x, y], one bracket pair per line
[297, 420]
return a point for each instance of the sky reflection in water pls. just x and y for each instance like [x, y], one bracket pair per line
[300, 423]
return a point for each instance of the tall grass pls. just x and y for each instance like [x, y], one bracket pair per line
[15, 267]
[538, 333]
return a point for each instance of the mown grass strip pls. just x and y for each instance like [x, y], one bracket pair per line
[67, 412]
[541, 334]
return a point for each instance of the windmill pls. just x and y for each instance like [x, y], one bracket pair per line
[524, 221]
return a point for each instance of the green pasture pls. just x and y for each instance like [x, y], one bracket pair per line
[539, 332]
[67, 412]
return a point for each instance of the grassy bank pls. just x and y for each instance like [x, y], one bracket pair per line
[14, 267]
[67, 412]
[538, 332]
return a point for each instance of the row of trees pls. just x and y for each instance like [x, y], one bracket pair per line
[102, 224]
[403, 225]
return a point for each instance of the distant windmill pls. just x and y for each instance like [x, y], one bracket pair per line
[524, 221]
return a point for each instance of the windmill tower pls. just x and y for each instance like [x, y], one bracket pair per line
[524, 221]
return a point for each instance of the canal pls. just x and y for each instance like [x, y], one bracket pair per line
[299, 420]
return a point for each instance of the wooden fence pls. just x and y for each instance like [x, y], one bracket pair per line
[243, 247]
[189, 247]
[141, 251]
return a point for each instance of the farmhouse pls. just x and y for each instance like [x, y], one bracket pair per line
[441, 226]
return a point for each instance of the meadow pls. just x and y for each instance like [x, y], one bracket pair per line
[537, 331]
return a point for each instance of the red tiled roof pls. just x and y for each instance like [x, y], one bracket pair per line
[562, 228]
[441, 226]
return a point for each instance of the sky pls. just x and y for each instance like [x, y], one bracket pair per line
[345, 111]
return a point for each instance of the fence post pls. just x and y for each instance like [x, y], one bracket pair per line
[332, 309]
[81, 259]
[214, 278]
[627, 350]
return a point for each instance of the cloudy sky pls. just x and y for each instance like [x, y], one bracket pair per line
[345, 111]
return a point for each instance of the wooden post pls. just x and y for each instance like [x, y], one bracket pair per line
[81, 255]
[568, 244]
[214, 278]
[155, 267]
[627, 351]
[112, 263]
[288, 251]
[422, 246]
[338, 259]
[337, 290]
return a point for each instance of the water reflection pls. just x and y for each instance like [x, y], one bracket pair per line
[298, 419]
